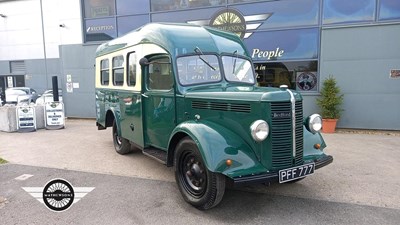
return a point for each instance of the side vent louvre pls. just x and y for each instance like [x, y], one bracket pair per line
[221, 106]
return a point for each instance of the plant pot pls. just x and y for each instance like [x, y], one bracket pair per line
[329, 125]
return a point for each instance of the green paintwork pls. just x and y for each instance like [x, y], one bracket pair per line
[178, 39]
[216, 116]
[217, 144]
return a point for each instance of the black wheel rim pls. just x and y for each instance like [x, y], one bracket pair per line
[192, 173]
[117, 139]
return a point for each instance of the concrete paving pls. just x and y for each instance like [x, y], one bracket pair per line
[128, 200]
[365, 171]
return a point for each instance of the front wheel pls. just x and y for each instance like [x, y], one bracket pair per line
[198, 186]
[121, 145]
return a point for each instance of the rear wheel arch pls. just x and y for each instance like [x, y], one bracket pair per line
[110, 118]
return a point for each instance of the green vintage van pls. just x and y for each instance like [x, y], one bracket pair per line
[186, 95]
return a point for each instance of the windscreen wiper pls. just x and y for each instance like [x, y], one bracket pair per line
[198, 51]
[234, 62]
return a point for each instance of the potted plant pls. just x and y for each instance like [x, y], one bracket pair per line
[330, 103]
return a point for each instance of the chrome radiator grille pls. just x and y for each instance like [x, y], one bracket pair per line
[282, 135]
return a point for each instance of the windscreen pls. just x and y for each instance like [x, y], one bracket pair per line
[238, 69]
[198, 69]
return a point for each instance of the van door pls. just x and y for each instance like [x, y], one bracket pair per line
[158, 102]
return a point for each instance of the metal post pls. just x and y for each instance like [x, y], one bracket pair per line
[55, 89]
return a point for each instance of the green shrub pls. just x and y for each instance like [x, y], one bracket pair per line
[330, 100]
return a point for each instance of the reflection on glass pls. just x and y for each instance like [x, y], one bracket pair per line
[389, 9]
[276, 14]
[99, 8]
[300, 76]
[129, 7]
[128, 23]
[237, 69]
[193, 70]
[240, 1]
[285, 44]
[164, 5]
[342, 11]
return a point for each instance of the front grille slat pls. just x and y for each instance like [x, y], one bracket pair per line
[222, 106]
[281, 134]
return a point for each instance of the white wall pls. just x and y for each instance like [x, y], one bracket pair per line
[21, 30]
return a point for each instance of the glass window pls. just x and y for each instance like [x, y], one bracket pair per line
[343, 11]
[241, 1]
[131, 75]
[129, 7]
[129, 23]
[200, 17]
[198, 69]
[164, 5]
[160, 75]
[118, 70]
[389, 9]
[237, 69]
[285, 44]
[300, 76]
[104, 72]
[277, 14]
[99, 8]
[100, 29]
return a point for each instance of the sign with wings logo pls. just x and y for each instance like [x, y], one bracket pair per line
[58, 194]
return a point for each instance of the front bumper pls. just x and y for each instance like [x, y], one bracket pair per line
[274, 176]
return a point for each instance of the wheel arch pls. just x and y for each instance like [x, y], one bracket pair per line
[217, 144]
[112, 116]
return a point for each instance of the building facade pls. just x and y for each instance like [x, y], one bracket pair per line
[294, 42]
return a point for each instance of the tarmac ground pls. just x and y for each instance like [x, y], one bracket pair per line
[361, 186]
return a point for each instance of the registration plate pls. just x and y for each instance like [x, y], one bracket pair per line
[296, 172]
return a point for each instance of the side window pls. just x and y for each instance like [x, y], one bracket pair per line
[160, 75]
[118, 70]
[131, 74]
[104, 72]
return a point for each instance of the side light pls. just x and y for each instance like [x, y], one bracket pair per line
[259, 130]
[314, 123]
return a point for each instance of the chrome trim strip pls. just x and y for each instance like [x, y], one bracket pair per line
[293, 101]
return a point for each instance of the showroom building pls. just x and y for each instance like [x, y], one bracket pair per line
[294, 42]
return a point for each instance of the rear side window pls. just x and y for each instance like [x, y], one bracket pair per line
[131, 74]
[104, 72]
[118, 70]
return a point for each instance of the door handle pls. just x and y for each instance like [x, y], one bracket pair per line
[145, 96]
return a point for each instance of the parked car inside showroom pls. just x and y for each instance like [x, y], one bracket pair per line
[16, 94]
[47, 96]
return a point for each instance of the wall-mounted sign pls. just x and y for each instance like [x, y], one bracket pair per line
[69, 87]
[54, 115]
[10, 82]
[69, 78]
[229, 20]
[394, 73]
[26, 119]
[306, 81]
[96, 29]
[234, 21]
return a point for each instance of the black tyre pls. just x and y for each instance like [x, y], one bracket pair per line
[121, 145]
[198, 186]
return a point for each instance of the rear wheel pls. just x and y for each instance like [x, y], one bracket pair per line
[121, 145]
[199, 186]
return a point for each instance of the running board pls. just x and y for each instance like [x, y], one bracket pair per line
[156, 154]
